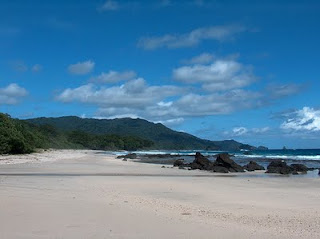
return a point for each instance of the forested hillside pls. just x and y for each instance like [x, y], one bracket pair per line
[162, 136]
[18, 137]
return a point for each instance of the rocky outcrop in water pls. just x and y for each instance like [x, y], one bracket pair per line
[252, 166]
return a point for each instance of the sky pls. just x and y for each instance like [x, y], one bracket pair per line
[242, 70]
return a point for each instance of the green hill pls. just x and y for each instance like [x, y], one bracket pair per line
[160, 135]
[19, 137]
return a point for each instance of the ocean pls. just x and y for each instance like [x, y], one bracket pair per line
[308, 157]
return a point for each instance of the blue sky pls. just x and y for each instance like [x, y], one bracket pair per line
[243, 70]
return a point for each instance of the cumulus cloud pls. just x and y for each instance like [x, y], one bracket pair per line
[133, 94]
[11, 94]
[193, 38]
[166, 103]
[109, 5]
[81, 68]
[203, 58]
[188, 105]
[306, 119]
[242, 131]
[238, 131]
[218, 76]
[209, 89]
[114, 77]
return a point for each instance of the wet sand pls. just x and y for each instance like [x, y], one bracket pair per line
[84, 194]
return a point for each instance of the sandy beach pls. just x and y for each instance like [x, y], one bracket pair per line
[87, 194]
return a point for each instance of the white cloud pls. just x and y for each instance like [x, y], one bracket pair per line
[219, 76]
[157, 103]
[238, 131]
[306, 119]
[203, 58]
[191, 105]
[164, 104]
[81, 68]
[36, 68]
[217, 88]
[193, 38]
[260, 130]
[11, 94]
[134, 94]
[114, 77]
[110, 5]
[243, 131]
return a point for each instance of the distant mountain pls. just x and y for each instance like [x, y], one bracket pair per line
[160, 135]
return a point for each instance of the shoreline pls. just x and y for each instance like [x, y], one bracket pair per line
[85, 194]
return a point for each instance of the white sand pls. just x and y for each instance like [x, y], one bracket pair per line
[81, 194]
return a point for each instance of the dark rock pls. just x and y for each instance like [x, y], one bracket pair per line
[224, 160]
[220, 169]
[196, 166]
[200, 162]
[128, 156]
[299, 167]
[163, 166]
[124, 160]
[262, 148]
[252, 166]
[279, 166]
[178, 162]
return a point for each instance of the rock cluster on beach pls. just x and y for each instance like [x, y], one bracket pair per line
[281, 167]
[224, 164]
